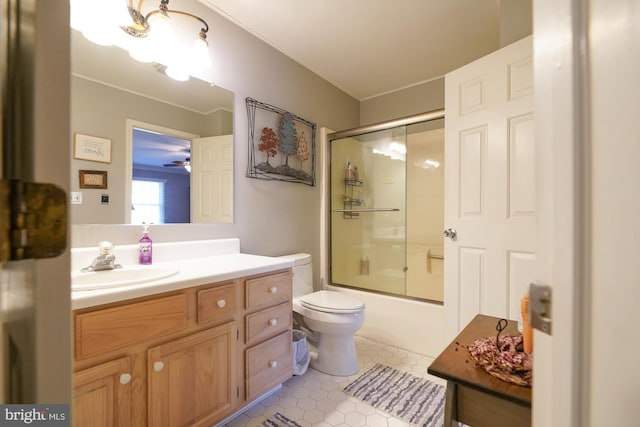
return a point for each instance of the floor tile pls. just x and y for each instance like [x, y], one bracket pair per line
[317, 399]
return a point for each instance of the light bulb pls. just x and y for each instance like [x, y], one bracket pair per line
[117, 13]
[99, 21]
[141, 49]
[199, 54]
[177, 72]
[161, 40]
[160, 27]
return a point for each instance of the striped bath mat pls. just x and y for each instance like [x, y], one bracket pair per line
[279, 420]
[415, 400]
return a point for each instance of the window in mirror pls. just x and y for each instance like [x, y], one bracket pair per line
[147, 201]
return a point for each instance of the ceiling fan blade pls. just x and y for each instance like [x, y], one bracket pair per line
[175, 163]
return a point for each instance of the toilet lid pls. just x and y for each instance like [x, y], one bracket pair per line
[332, 302]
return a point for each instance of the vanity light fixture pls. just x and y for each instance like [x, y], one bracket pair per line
[159, 35]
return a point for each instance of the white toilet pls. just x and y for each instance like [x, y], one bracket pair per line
[332, 317]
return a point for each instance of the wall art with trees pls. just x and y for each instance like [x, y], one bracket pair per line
[282, 145]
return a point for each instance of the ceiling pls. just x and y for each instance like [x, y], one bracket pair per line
[372, 47]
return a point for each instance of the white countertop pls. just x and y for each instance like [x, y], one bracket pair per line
[192, 272]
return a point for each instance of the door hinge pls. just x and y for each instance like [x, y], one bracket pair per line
[540, 307]
[33, 220]
[238, 392]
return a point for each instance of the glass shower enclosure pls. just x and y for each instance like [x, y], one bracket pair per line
[387, 207]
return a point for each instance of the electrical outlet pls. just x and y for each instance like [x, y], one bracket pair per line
[76, 198]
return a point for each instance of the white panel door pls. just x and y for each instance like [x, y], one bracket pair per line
[212, 179]
[489, 186]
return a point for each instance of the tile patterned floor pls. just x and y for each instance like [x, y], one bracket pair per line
[318, 399]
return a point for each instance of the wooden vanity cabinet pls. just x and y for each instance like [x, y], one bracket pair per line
[268, 339]
[163, 360]
[175, 359]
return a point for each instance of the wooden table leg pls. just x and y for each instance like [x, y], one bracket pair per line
[450, 405]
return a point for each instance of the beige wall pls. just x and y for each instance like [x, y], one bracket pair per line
[516, 20]
[418, 99]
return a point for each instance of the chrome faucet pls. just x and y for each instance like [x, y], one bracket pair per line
[105, 260]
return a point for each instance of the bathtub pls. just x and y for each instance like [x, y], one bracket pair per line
[408, 324]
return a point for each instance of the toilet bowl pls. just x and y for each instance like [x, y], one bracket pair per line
[332, 317]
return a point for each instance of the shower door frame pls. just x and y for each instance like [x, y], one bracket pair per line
[330, 137]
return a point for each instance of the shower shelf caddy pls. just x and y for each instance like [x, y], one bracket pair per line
[351, 200]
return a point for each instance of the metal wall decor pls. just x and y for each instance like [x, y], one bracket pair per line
[282, 146]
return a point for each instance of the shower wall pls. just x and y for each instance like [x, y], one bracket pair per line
[425, 213]
[386, 224]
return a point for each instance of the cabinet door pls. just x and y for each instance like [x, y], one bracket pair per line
[191, 379]
[102, 395]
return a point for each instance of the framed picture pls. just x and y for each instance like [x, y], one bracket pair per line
[93, 179]
[92, 148]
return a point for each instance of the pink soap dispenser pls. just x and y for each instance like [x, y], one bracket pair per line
[144, 247]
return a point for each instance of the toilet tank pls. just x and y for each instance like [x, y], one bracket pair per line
[302, 274]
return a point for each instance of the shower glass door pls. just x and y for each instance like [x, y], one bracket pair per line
[368, 215]
[387, 210]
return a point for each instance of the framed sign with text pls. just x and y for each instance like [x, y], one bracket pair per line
[93, 179]
[92, 148]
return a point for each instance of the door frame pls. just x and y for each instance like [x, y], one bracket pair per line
[561, 389]
[130, 125]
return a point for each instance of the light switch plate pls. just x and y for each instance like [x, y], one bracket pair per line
[76, 198]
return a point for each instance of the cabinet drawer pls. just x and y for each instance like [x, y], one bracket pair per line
[217, 304]
[269, 364]
[268, 322]
[113, 328]
[268, 290]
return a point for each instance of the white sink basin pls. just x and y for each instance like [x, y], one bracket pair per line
[128, 275]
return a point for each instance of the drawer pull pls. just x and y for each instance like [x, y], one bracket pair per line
[125, 378]
[273, 322]
[273, 289]
[221, 303]
[273, 364]
[158, 366]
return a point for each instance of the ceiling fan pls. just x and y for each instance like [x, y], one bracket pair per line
[177, 163]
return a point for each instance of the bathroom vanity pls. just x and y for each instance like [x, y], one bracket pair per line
[189, 349]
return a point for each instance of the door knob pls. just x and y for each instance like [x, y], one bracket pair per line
[450, 233]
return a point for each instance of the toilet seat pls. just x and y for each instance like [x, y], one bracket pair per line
[332, 302]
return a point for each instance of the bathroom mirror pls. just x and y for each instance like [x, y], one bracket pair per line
[149, 121]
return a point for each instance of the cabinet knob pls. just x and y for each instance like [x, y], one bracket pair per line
[158, 366]
[273, 322]
[125, 378]
[221, 303]
[273, 363]
[273, 289]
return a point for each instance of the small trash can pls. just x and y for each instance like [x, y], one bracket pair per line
[301, 356]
